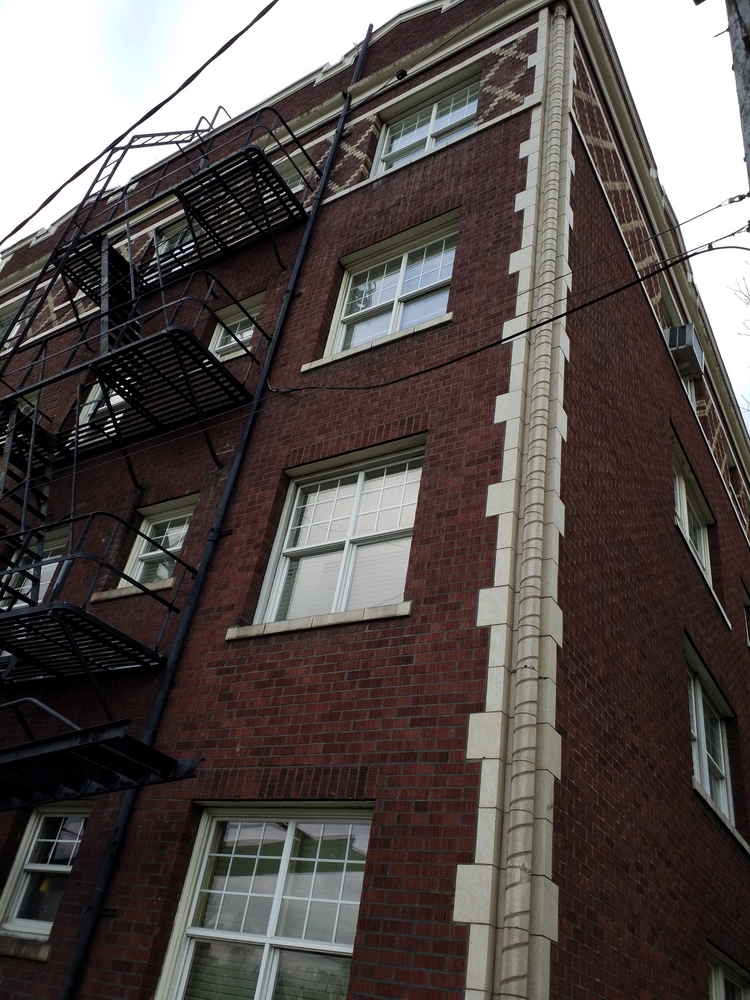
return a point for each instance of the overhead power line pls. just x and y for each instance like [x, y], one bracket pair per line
[149, 114]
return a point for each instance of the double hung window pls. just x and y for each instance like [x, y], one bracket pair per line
[272, 910]
[395, 294]
[345, 541]
[100, 412]
[44, 861]
[692, 516]
[709, 741]
[164, 527]
[235, 331]
[8, 329]
[727, 981]
[431, 127]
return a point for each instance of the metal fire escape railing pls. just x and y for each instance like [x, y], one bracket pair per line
[79, 763]
[134, 356]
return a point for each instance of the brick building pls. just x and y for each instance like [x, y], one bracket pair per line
[375, 518]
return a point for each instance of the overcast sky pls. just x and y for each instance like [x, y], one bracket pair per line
[78, 72]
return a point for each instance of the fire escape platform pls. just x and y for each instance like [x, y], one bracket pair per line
[167, 380]
[235, 202]
[63, 640]
[82, 763]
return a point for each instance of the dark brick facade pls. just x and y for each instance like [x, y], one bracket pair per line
[376, 712]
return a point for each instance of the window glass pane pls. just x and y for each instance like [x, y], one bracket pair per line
[323, 512]
[373, 287]
[379, 573]
[242, 329]
[223, 971]
[424, 308]
[160, 568]
[304, 976]
[731, 990]
[410, 131]
[389, 498]
[430, 264]
[241, 878]
[325, 859]
[366, 330]
[457, 106]
[42, 896]
[452, 134]
[712, 728]
[58, 840]
[695, 529]
[309, 586]
[169, 533]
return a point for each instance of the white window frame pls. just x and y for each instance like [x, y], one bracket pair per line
[22, 869]
[7, 311]
[692, 514]
[434, 136]
[401, 245]
[275, 579]
[94, 404]
[721, 971]
[152, 516]
[178, 959]
[222, 344]
[704, 698]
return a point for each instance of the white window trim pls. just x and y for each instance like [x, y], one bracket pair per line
[689, 499]
[720, 968]
[233, 314]
[10, 900]
[179, 951]
[410, 107]
[157, 512]
[273, 582]
[7, 310]
[399, 245]
[701, 684]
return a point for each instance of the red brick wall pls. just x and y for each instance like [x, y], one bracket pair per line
[647, 872]
[373, 711]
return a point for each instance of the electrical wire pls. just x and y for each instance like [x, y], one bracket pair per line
[681, 258]
[149, 114]
[281, 396]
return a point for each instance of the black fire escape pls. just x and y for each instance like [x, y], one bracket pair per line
[131, 361]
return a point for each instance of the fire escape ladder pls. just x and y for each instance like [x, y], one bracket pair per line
[59, 262]
[28, 456]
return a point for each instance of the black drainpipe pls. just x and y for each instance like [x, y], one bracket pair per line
[94, 909]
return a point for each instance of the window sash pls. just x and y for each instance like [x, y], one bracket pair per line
[446, 120]
[710, 751]
[691, 523]
[25, 887]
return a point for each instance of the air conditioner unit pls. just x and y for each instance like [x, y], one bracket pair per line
[686, 349]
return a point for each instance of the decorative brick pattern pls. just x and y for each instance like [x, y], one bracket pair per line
[507, 77]
[604, 150]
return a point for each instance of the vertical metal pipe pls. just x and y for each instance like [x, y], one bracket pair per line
[93, 911]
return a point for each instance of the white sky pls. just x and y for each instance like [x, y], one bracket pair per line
[78, 72]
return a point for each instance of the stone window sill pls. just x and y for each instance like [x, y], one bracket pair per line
[724, 819]
[417, 328]
[319, 621]
[112, 595]
[21, 947]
